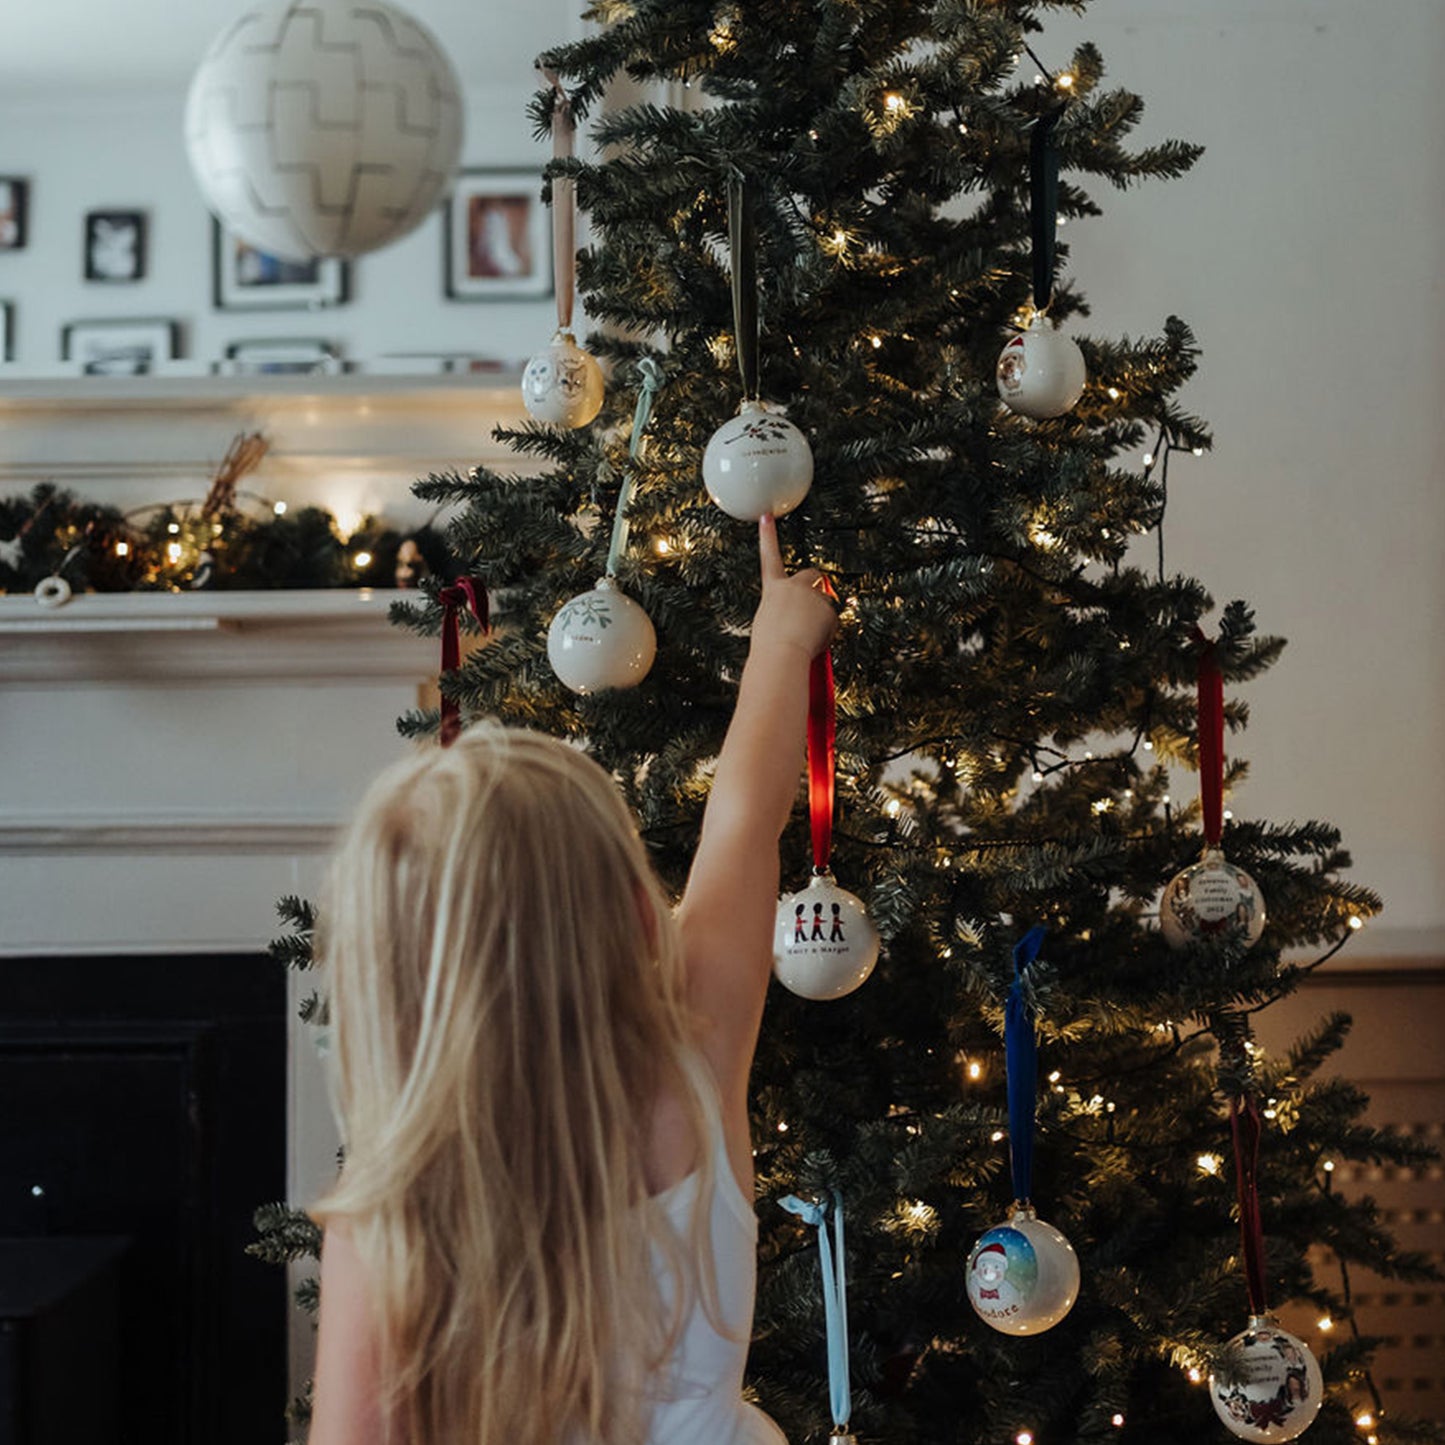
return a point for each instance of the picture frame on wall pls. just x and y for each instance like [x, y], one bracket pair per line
[285, 356]
[115, 245]
[245, 278]
[498, 237]
[7, 331]
[14, 212]
[120, 347]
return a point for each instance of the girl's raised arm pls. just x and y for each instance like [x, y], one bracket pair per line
[729, 906]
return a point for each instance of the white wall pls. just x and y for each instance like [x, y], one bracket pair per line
[1303, 249]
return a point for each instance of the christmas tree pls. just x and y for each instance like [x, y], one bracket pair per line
[1016, 675]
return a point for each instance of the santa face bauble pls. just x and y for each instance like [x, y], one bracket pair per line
[1274, 1387]
[1211, 899]
[1023, 1276]
[756, 463]
[563, 384]
[825, 945]
[1040, 371]
[601, 639]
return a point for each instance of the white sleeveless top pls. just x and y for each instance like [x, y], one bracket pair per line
[699, 1399]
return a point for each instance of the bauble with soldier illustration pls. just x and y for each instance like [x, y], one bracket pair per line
[825, 945]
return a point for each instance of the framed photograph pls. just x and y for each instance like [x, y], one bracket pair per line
[115, 245]
[119, 348]
[7, 331]
[498, 237]
[247, 279]
[14, 211]
[283, 357]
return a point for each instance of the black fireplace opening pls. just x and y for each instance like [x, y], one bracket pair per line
[142, 1120]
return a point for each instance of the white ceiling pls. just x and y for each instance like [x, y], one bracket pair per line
[53, 46]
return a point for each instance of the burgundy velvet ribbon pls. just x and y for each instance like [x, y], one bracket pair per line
[464, 592]
[1244, 1124]
[822, 750]
[1211, 740]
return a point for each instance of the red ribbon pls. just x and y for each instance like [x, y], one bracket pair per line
[1244, 1124]
[463, 592]
[1211, 740]
[822, 748]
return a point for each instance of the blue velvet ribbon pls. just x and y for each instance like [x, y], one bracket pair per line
[1021, 1055]
[835, 1299]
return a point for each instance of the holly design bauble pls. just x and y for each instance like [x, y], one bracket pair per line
[757, 462]
[1023, 1276]
[601, 639]
[825, 945]
[563, 384]
[1041, 371]
[1268, 1385]
[1211, 899]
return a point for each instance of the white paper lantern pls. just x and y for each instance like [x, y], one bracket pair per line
[1273, 1389]
[757, 462]
[826, 945]
[601, 639]
[563, 384]
[328, 128]
[1041, 371]
[1023, 1276]
[1211, 899]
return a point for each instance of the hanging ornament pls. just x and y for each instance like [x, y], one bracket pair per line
[1023, 1275]
[832, 1261]
[562, 384]
[826, 945]
[324, 129]
[1211, 898]
[1041, 371]
[757, 462]
[603, 638]
[465, 592]
[1267, 1385]
[53, 591]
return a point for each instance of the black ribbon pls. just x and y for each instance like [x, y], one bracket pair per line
[743, 244]
[1044, 204]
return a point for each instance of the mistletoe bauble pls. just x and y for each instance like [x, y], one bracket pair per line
[601, 639]
[756, 463]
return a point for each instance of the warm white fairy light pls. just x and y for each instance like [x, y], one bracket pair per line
[975, 1070]
[662, 546]
[1356, 921]
[279, 508]
[1148, 745]
[782, 1126]
[996, 1137]
[1148, 459]
[173, 528]
[1208, 1163]
[361, 560]
[1116, 1421]
[1114, 393]
[1365, 1420]
[877, 342]
[1198, 451]
[122, 549]
[1324, 1324]
[894, 102]
[1228, 816]
[1065, 81]
[1329, 1166]
[1024, 1437]
[1196, 1376]
[173, 551]
[919, 1212]
[1055, 1077]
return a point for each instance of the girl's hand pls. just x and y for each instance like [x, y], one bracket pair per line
[794, 611]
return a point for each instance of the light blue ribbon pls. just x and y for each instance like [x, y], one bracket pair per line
[652, 380]
[835, 1299]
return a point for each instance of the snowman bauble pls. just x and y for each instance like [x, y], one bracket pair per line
[1023, 1275]
[1041, 371]
[1269, 1387]
[601, 639]
[1211, 899]
[756, 463]
[825, 945]
[563, 384]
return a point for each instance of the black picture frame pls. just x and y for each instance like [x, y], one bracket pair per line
[120, 346]
[283, 356]
[7, 331]
[245, 278]
[14, 213]
[497, 237]
[115, 246]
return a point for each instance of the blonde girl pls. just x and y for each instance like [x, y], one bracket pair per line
[543, 1233]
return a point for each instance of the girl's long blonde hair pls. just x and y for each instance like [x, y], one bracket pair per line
[506, 992]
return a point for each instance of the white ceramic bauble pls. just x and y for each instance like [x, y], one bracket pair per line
[757, 462]
[52, 592]
[1041, 371]
[329, 128]
[1211, 899]
[1272, 1389]
[1023, 1275]
[826, 945]
[601, 639]
[563, 384]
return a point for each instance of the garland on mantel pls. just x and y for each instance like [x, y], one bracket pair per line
[242, 542]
